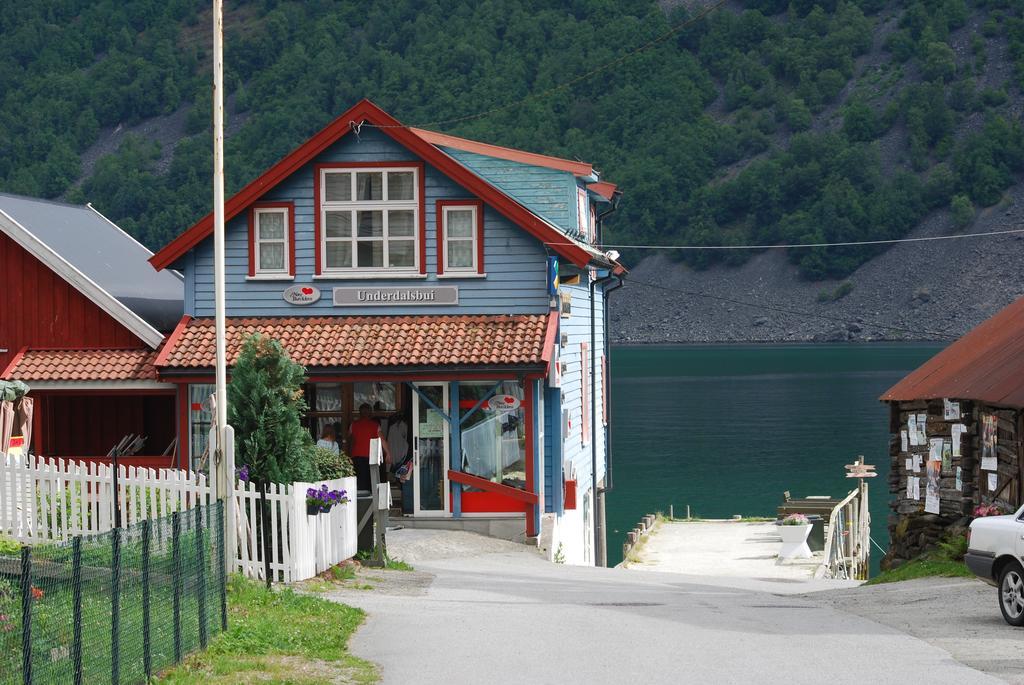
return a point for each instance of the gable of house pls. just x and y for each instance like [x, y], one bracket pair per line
[41, 309]
[509, 269]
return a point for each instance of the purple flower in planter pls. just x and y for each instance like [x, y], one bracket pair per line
[243, 473]
[311, 493]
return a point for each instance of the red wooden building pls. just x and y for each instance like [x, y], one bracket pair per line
[82, 318]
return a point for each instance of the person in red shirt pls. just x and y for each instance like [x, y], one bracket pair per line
[362, 430]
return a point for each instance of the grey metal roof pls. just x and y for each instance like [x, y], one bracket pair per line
[105, 254]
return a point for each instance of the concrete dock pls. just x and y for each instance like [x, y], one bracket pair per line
[735, 549]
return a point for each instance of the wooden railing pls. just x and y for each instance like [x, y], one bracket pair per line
[848, 541]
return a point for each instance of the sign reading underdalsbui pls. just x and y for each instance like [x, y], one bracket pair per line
[414, 295]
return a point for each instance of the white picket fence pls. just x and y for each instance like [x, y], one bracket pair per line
[44, 500]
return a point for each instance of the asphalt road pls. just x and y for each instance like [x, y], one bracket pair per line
[501, 614]
[956, 614]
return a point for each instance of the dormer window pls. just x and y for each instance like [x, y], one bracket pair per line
[370, 220]
[271, 241]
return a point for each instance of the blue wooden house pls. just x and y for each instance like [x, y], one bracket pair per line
[451, 284]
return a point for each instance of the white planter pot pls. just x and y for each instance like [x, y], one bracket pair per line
[794, 542]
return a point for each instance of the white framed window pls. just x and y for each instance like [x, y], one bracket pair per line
[369, 218]
[460, 238]
[271, 242]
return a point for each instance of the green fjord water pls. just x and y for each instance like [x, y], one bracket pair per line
[728, 428]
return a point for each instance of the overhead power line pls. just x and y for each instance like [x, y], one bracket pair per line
[565, 85]
[761, 306]
[790, 246]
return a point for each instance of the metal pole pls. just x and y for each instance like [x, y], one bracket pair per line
[147, 650]
[115, 607]
[220, 478]
[26, 615]
[176, 581]
[117, 491]
[76, 611]
[222, 575]
[201, 576]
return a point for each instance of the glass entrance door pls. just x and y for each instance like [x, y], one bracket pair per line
[430, 448]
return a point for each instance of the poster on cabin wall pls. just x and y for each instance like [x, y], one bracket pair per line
[958, 430]
[912, 430]
[950, 410]
[959, 479]
[989, 441]
[922, 429]
[904, 442]
[947, 456]
[935, 449]
[931, 498]
[993, 481]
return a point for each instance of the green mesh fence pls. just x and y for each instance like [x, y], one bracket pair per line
[116, 607]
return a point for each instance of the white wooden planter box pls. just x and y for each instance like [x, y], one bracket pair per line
[321, 541]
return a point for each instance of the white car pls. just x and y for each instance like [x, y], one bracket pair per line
[995, 551]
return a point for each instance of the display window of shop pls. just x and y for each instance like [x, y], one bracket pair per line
[327, 407]
[494, 436]
[382, 397]
[200, 421]
[337, 405]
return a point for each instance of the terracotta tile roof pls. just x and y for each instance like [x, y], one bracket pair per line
[83, 365]
[986, 364]
[373, 341]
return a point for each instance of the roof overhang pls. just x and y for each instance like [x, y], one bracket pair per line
[99, 386]
[576, 168]
[374, 345]
[366, 112]
[85, 285]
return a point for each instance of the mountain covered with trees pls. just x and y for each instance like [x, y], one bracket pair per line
[764, 122]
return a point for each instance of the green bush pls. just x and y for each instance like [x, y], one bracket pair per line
[962, 210]
[841, 291]
[330, 464]
[9, 547]
[266, 407]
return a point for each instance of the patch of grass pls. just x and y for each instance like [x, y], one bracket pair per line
[397, 565]
[278, 636]
[841, 291]
[947, 560]
[923, 568]
[346, 572]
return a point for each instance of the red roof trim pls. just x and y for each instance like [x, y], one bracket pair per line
[550, 336]
[604, 189]
[532, 158]
[366, 111]
[171, 341]
[14, 362]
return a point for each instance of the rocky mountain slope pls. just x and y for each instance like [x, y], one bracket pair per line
[934, 290]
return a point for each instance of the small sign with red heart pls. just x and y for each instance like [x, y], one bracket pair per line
[301, 295]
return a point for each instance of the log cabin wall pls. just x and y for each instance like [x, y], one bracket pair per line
[913, 531]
